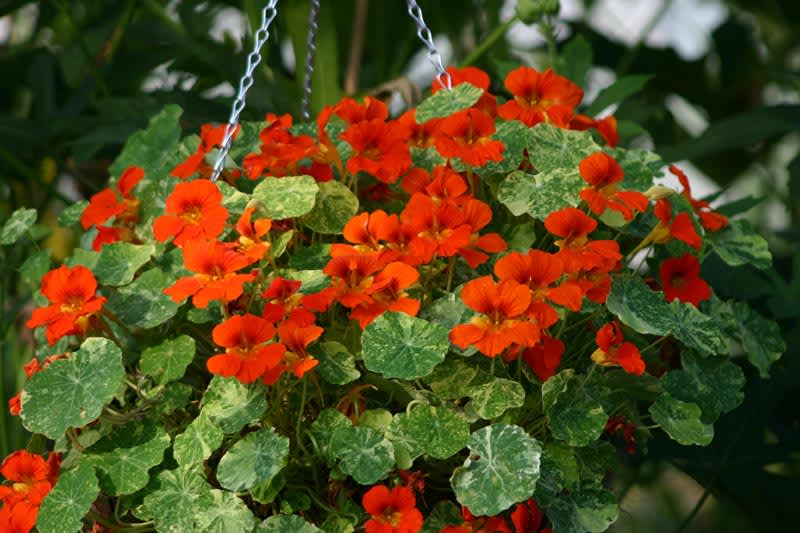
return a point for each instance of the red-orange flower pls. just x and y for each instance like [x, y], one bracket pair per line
[478, 524]
[678, 227]
[388, 294]
[436, 229]
[280, 298]
[379, 149]
[575, 248]
[528, 518]
[501, 322]
[351, 276]
[73, 303]
[680, 279]
[19, 518]
[603, 174]
[467, 136]
[280, 150]
[31, 477]
[215, 265]
[110, 203]
[474, 76]
[606, 127]
[352, 112]
[477, 215]
[710, 220]
[545, 357]
[250, 241]
[614, 351]
[392, 511]
[419, 135]
[296, 333]
[540, 97]
[210, 136]
[247, 352]
[194, 211]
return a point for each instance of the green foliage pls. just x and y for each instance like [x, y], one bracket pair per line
[363, 453]
[681, 420]
[256, 458]
[335, 205]
[168, 360]
[439, 431]
[20, 222]
[64, 507]
[231, 404]
[444, 103]
[538, 195]
[401, 346]
[287, 197]
[197, 442]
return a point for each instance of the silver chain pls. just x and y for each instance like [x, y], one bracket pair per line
[311, 48]
[253, 59]
[424, 34]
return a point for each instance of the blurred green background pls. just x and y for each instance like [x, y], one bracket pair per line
[77, 77]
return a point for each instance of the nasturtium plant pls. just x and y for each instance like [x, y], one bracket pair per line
[435, 322]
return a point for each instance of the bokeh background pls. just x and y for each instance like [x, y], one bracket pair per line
[722, 98]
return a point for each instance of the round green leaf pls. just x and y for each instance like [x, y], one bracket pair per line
[336, 365]
[198, 441]
[123, 457]
[153, 148]
[681, 421]
[363, 453]
[714, 384]
[287, 197]
[178, 497]
[72, 214]
[143, 304]
[17, 224]
[406, 448]
[323, 428]
[740, 244]
[72, 392]
[231, 404]
[445, 103]
[256, 458]
[760, 337]
[637, 306]
[65, 506]
[34, 267]
[119, 261]
[168, 361]
[502, 469]
[575, 415]
[551, 148]
[452, 379]
[694, 329]
[538, 195]
[224, 513]
[591, 510]
[640, 167]
[441, 432]
[494, 398]
[283, 523]
[335, 205]
[401, 346]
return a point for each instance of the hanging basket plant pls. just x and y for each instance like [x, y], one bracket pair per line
[460, 318]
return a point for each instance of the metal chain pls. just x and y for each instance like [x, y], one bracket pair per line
[424, 34]
[253, 59]
[311, 48]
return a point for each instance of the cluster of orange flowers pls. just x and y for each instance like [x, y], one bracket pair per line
[30, 478]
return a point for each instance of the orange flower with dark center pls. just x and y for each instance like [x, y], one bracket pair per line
[110, 203]
[280, 298]
[680, 280]
[210, 137]
[440, 230]
[194, 211]
[352, 112]
[501, 322]
[379, 148]
[351, 276]
[392, 511]
[538, 271]
[603, 174]
[215, 265]
[678, 227]
[467, 136]
[477, 215]
[30, 477]
[442, 184]
[364, 233]
[250, 241]
[280, 150]
[709, 219]
[540, 97]
[388, 294]
[419, 135]
[595, 283]
[575, 248]
[295, 333]
[545, 357]
[614, 351]
[73, 303]
[248, 353]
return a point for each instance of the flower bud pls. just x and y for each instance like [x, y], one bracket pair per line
[530, 11]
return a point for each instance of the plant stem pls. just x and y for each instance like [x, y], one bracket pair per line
[487, 43]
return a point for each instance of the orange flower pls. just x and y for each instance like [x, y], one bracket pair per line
[251, 233]
[443, 184]
[352, 112]
[280, 298]
[540, 97]
[501, 322]
[710, 220]
[365, 231]
[280, 150]
[606, 127]
[474, 76]
[478, 524]
[20, 518]
[247, 355]
[538, 270]
[388, 294]
[110, 203]
[194, 211]
[210, 137]
[575, 248]
[467, 136]
[215, 265]
[603, 174]
[392, 511]
[528, 518]
[679, 227]
[73, 303]
[545, 357]
[680, 279]
[351, 276]
[614, 351]
[477, 215]
[419, 135]
[296, 333]
[31, 477]
[379, 149]
[440, 230]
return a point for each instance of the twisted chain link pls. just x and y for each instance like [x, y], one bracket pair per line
[253, 59]
[311, 48]
[424, 34]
